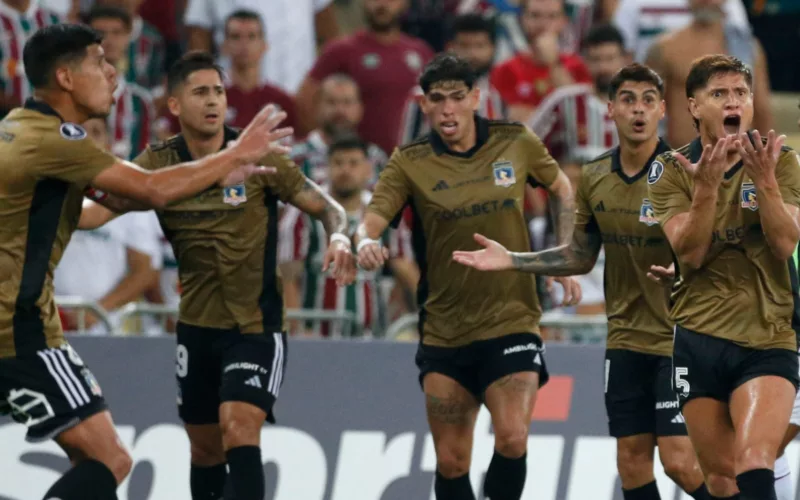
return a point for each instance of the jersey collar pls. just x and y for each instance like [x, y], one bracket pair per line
[696, 150]
[183, 149]
[41, 107]
[616, 163]
[481, 136]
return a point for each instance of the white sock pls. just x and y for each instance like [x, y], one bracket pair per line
[783, 479]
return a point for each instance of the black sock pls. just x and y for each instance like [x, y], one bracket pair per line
[700, 493]
[647, 492]
[458, 488]
[207, 483]
[246, 472]
[89, 480]
[505, 478]
[757, 484]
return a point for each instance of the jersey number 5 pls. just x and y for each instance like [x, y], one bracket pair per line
[681, 384]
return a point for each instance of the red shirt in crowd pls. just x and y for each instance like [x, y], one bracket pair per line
[385, 75]
[243, 106]
[521, 80]
[163, 14]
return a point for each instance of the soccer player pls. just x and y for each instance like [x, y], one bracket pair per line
[231, 337]
[613, 211]
[480, 335]
[728, 204]
[46, 162]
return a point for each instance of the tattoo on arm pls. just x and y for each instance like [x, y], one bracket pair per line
[319, 204]
[563, 210]
[120, 205]
[577, 257]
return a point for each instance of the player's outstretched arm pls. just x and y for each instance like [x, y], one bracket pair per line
[779, 220]
[577, 257]
[562, 206]
[159, 188]
[314, 201]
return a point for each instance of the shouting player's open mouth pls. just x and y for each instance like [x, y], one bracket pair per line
[639, 126]
[212, 117]
[449, 128]
[731, 124]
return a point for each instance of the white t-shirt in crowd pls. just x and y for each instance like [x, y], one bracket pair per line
[291, 33]
[95, 261]
[641, 21]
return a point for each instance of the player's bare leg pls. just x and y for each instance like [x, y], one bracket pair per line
[714, 440]
[784, 489]
[100, 462]
[635, 460]
[451, 411]
[680, 463]
[510, 401]
[760, 410]
[241, 437]
[208, 472]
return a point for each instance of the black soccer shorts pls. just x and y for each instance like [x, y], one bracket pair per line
[477, 365]
[709, 367]
[50, 391]
[639, 395]
[214, 366]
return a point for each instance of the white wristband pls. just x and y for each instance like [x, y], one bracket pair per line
[340, 237]
[366, 241]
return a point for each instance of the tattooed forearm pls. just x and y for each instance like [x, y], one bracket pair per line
[121, 205]
[578, 257]
[562, 208]
[319, 204]
[449, 410]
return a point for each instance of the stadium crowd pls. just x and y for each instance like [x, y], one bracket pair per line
[345, 72]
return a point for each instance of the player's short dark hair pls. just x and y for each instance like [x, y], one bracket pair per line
[473, 23]
[195, 60]
[348, 142]
[446, 68]
[53, 46]
[635, 73]
[706, 67]
[109, 12]
[602, 34]
[246, 15]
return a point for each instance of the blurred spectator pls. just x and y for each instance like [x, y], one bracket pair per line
[133, 115]
[530, 76]
[641, 21]
[426, 19]
[338, 113]
[68, 10]
[573, 121]
[672, 54]
[165, 16]
[293, 28]
[245, 46]
[776, 23]
[19, 19]
[113, 265]
[385, 64]
[303, 243]
[474, 40]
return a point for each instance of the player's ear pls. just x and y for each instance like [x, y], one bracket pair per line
[173, 105]
[662, 109]
[63, 78]
[693, 108]
[475, 95]
[423, 102]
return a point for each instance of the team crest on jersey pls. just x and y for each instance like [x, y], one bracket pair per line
[234, 195]
[72, 131]
[371, 60]
[655, 172]
[749, 196]
[504, 174]
[414, 61]
[91, 382]
[646, 214]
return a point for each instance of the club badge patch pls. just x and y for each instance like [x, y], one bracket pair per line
[655, 172]
[234, 195]
[504, 173]
[72, 131]
[646, 213]
[749, 196]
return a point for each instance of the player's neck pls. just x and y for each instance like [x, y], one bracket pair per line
[387, 37]
[200, 146]
[633, 156]
[466, 143]
[20, 5]
[246, 78]
[714, 27]
[63, 105]
[350, 203]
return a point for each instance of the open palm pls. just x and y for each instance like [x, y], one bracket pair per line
[493, 257]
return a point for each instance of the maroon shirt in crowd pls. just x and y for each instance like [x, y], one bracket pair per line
[385, 74]
[243, 106]
[163, 14]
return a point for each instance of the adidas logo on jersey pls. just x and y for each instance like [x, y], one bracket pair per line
[537, 360]
[441, 186]
[678, 419]
[254, 381]
[600, 207]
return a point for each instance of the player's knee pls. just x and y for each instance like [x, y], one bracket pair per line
[721, 485]
[511, 440]
[681, 468]
[453, 461]
[241, 430]
[634, 466]
[205, 454]
[120, 463]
